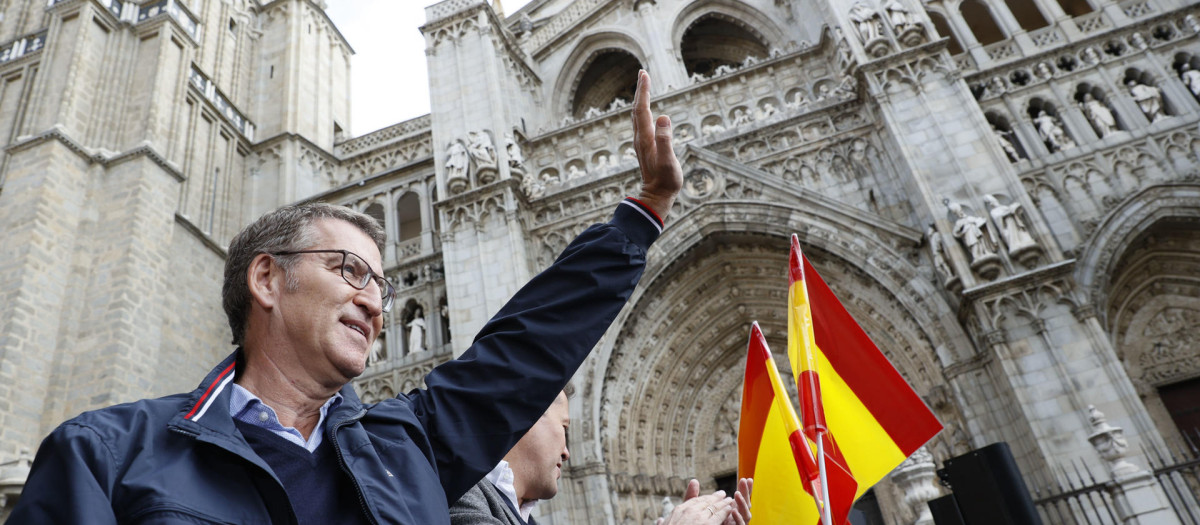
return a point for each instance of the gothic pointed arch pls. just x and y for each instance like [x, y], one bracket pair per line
[408, 216]
[1149, 295]
[669, 381]
[726, 19]
[601, 69]
[978, 16]
[716, 40]
[944, 29]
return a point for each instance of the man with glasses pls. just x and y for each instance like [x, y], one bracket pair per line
[276, 434]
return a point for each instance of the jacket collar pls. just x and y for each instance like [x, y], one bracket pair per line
[207, 408]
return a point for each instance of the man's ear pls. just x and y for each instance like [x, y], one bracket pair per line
[266, 280]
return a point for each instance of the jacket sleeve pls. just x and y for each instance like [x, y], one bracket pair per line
[477, 406]
[69, 481]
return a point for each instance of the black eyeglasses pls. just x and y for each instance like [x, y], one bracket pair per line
[358, 274]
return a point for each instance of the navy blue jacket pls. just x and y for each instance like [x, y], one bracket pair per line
[180, 459]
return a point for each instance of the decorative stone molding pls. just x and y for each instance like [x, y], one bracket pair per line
[915, 476]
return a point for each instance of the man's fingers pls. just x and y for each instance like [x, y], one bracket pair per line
[692, 490]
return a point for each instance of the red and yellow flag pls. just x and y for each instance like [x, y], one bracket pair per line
[871, 420]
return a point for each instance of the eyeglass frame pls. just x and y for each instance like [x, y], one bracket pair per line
[388, 294]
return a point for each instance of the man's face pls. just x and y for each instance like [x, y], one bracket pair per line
[328, 324]
[538, 458]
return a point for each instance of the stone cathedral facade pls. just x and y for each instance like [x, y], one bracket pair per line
[1004, 193]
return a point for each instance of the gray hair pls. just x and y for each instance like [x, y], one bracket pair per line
[285, 229]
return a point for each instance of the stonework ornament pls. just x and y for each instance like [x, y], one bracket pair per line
[416, 332]
[481, 149]
[974, 233]
[516, 160]
[1099, 115]
[1006, 144]
[1190, 78]
[1052, 132]
[1148, 98]
[699, 184]
[937, 249]
[1012, 226]
[456, 167]
[915, 476]
[1110, 443]
[741, 117]
[866, 22]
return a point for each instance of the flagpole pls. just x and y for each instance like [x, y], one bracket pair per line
[818, 416]
[826, 518]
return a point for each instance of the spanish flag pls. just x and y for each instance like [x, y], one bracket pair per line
[773, 451]
[868, 418]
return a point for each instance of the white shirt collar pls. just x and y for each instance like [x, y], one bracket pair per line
[502, 478]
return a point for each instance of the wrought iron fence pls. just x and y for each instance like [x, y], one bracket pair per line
[1178, 473]
[1078, 494]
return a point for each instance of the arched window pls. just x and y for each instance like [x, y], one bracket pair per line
[1075, 7]
[715, 40]
[408, 214]
[943, 29]
[1027, 14]
[979, 18]
[611, 74]
[375, 210]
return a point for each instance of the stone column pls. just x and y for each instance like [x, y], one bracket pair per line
[1139, 497]
[915, 475]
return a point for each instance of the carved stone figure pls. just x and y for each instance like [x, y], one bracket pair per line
[798, 101]
[974, 233]
[1051, 131]
[1191, 79]
[617, 103]
[592, 113]
[602, 162]
[667, 507]
[376, 353]
[937, 249]
[573, 172]
[740, 117]
[915, 476]
[898, 15]
[707, 130]
[1148, 98]
[445, 312]
[456, 162]
[416, 332]
[1006, 144]
[1091, 56]
[768, 110]
[1099, 115]
[866, 22]
[481, 149]
[1012, 226]
[629, 154]
[1043, 70]
[516, 160]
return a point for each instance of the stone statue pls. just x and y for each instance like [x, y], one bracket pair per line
[1052, 132]
[971, 230]
[898, 15]
[1043, 70]
[740, 117]
[1012, 227]
[516, 160]
[1148, 98]
[376, 353]
[667, 507]
[938, 250]
[629, 155]
[416, 332]
[707, 130]
[797, 101]
[481, 149]
[1099, 115]
[1091, 56]
[617, 103]
[1006, 144]
[456, 161]
[768, 110]
[573, 172]
[1190, 78]
[866, 21]
[445, 312]
[602, 162]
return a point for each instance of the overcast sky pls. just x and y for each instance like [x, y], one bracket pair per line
[388, 79]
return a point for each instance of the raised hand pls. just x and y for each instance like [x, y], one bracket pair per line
[662, 178]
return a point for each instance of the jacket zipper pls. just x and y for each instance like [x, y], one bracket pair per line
[362, 501]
